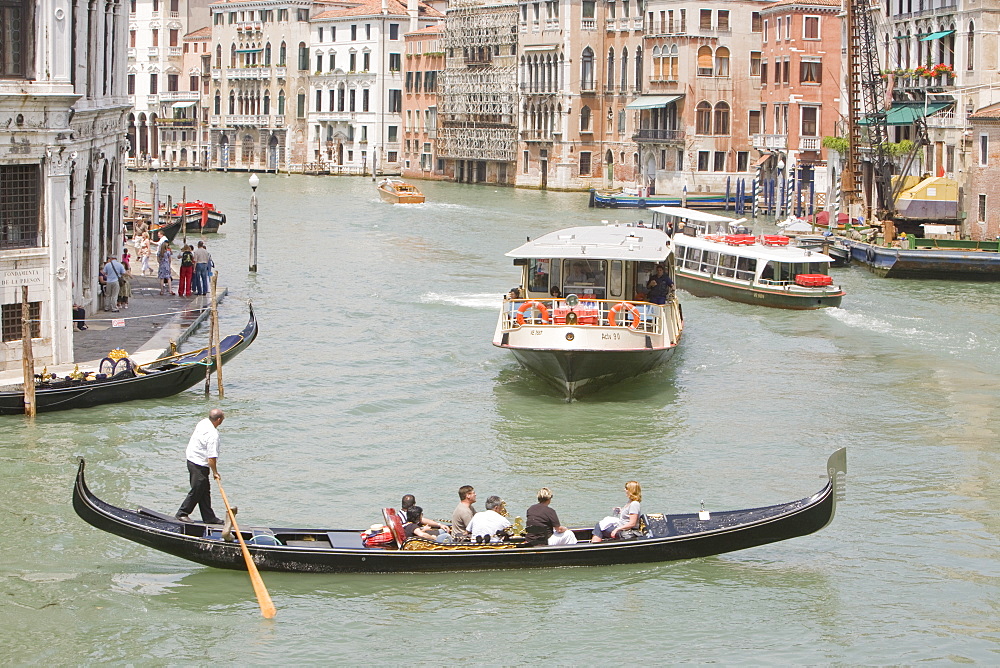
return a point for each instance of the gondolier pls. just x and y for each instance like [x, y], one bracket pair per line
[202, 457]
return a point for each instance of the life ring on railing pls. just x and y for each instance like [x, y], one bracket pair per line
[870, 254]
[623, 306]
[544, 312]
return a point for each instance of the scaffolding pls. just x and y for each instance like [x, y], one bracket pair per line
[478, 109]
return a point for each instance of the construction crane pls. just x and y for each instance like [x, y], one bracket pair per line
[869, 100]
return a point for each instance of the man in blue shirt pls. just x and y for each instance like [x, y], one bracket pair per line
[113, 271]
[659, 286]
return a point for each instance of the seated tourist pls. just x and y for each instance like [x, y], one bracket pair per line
[627, 517]
[463, 513]
[543, 523]
[414, 520]
[409, 502]
[488, 522]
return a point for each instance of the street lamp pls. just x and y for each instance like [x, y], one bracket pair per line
[254, 182]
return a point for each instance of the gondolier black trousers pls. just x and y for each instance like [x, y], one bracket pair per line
[200, 494]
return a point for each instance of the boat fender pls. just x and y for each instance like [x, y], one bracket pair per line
[544, 312]
[623, 306]
[870, 254]
[642, 204]
[613, 201]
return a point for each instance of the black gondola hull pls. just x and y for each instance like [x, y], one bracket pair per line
[153, 385]
[683, 537]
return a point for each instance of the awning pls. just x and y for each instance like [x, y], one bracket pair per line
[906, 114]
[652, 101]
[249, 50]
[762, 159]
[184, 105]
[936, 35]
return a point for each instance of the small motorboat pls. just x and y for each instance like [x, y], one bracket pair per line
[395, 191]
[661, 537]
[585, 319]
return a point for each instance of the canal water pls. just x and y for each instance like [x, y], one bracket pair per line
[374, 376]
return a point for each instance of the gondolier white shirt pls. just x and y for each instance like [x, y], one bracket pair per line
[204, 443]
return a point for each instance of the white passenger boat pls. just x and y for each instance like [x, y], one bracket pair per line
[768, 270]
[602, 328]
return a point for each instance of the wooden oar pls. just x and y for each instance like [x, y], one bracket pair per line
[263, 598]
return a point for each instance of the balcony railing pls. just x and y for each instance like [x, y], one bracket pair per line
[770, 141]
[255, 73]
[179, 96]
[174, 52]
[809, 143]
[650, 135]
[175, 122]
[153, 52]
[588, 24]
[247, 120]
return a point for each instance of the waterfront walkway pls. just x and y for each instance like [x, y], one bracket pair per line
[145, 329]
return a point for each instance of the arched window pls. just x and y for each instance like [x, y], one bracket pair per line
[282, 55]
[267, 54]
[624, 69]
[218, 56]
[585, 119]
[657, 64]
[672, 60]
[722, 62]
[232, 102]
[587, 70]
[705, 61]
[971, 46]
[267, 102]
[303, 56]
[218, 103]
[281, 103]
[638, 68]
[232, 56]
[703, 118]
[721, 118]
[611, 67]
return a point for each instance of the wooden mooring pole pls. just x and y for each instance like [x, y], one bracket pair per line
[27, 358]
[217, 336]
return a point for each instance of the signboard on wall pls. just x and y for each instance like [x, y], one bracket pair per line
[12, 278]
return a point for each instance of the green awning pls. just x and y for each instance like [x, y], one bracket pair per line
[652, 101]
[906, 114]
[249, 50]
[936, 35]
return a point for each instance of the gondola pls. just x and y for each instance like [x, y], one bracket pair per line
[667, 538]
[120, 380]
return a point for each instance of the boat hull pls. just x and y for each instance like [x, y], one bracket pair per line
[701, 286]
[580, 372]
[393, 196]
[931, 263]
[621, 201]
[672, 537]
[156, 384]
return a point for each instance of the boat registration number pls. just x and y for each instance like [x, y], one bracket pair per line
[612, 336]
[537, 332]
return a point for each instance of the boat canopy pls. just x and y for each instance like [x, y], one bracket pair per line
[769, 253]
[693, 215]
[607, 242]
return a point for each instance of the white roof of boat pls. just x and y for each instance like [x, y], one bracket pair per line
[605, 242]
[759, 251]
[691, 214]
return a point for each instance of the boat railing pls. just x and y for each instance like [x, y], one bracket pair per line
[636, 315]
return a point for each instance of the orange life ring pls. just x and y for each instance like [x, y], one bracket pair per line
[623, 306]
[542, 310]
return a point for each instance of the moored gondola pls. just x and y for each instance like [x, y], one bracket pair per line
[667, 538]
[123, 381]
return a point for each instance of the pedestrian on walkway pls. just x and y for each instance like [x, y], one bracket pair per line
[113, 271]
[79, 317]
[202, 459]
[125, 288]
[187, 271]
[201, 260]
[164, 257]
[142, 249]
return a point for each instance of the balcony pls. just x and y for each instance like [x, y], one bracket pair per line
[179, 96]
[659, 135]
[171, 123]
[247, 121]
[216, 73]
[249, 26]
[588, 24]
[153, 52]
[536, 137]
[252, 73]
[174, 52]
[809, 143]
[770, 141]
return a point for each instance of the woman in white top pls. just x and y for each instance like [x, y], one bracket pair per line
[627, 517]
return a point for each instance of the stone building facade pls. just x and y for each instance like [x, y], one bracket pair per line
[422, 67]
[982, 192]
[63, 104]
